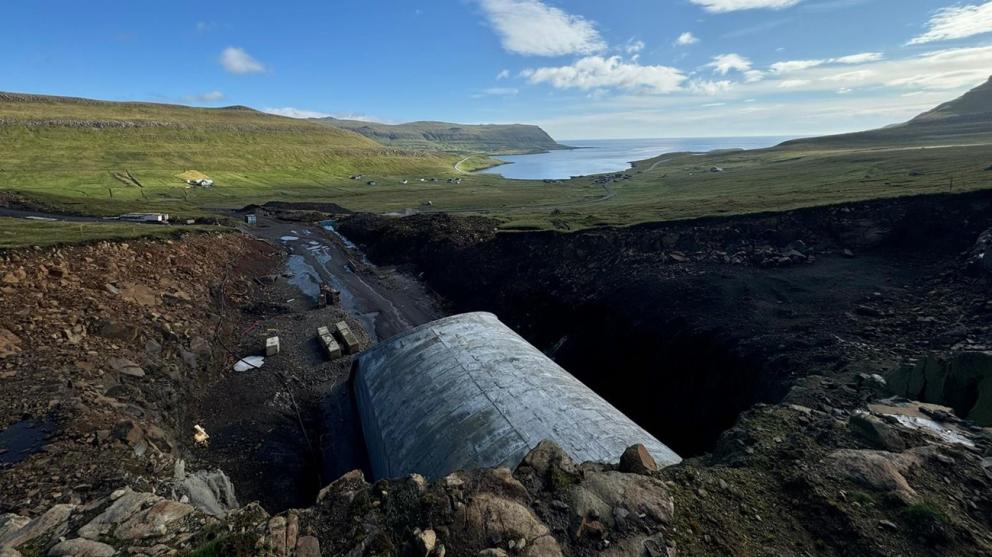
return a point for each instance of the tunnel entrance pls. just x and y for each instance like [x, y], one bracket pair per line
[683, 384]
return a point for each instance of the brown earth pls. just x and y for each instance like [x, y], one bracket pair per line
[748, 342]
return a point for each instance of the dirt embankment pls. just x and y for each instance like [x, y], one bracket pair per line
[708, 317]
[689, 327]
[101, 349]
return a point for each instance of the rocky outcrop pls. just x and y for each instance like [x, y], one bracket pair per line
[960, 380]
[980, 256]
[548, 507]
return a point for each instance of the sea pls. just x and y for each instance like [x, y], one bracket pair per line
[596, 156]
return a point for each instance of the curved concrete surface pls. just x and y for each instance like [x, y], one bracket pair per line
[467, 392]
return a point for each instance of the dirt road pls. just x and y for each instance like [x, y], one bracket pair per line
[386, 302]
[283, 431]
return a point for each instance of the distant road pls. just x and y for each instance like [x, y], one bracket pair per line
[37, 215]
[459, 164]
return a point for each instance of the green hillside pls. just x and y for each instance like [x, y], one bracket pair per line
[106, 155]
[489, 139]
[962, 121]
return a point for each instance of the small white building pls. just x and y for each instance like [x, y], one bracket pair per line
[162, 218]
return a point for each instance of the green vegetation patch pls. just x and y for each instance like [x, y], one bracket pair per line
[19, 233]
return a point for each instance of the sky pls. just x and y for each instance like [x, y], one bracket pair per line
[582, 69]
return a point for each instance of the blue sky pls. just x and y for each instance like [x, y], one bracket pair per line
[580, 68]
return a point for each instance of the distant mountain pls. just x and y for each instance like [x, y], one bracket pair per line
[967, 119]
[490, 139]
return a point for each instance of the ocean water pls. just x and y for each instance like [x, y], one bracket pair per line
[596, 156]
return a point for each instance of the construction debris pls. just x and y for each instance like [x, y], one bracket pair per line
[249, 363]
[272, 346]
[200, 436]
[347, 337]
[327, 341]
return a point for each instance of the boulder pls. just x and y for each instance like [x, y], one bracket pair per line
[307, 546]
[52, 524]
[960, 380]
[126, 504]
[875, 432]
[488, 517]
[124, 366]
[11, 522]
[10, 344]
[980, 256]
[637, 460]
[210, 491]
[81, 547]
[154, 521]
[115, 330]
[600, 493]
[877, 470]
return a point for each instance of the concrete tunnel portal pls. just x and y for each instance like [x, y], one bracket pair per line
[467, 392]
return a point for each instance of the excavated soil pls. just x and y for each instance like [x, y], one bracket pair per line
[685, 325]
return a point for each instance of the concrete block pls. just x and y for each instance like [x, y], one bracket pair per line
[272, 346]
[347, 337]
[330, 345]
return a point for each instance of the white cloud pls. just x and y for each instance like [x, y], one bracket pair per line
[948, 69]
[858, 75]
[209, 97]
[792, 66]
[860, 58]
[497, 92]
[503, 74]
[291, 112]
[753, 76]
[633, 47]
[597, 72]
[235, 60]
[725, 63]
[686, 39]
[531, 28]
[796, 65]
[722, 6]
[957, 22]
[709, 87]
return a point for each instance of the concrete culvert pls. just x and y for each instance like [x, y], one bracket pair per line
[467, 392]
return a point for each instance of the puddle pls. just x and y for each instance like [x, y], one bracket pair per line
[304, 277]
[289, 238]
[328, 225]
[23, 439]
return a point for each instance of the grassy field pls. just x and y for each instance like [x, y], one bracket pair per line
[19, 233]
[107, 158]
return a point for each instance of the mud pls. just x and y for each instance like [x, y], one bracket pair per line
[284, 431]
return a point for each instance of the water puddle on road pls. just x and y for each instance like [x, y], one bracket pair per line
[304, 277]
[23, 439]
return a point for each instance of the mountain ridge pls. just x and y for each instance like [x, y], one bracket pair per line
[966, 119]
[430, 135]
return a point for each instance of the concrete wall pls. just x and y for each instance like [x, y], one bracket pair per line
[467, 392]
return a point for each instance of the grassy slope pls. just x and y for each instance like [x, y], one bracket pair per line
[488, 139]
[66, 152]
[16, 233]
[256, 157]
[946, 149]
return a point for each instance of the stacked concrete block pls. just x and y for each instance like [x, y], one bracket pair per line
[347, 337]
[330, 345]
